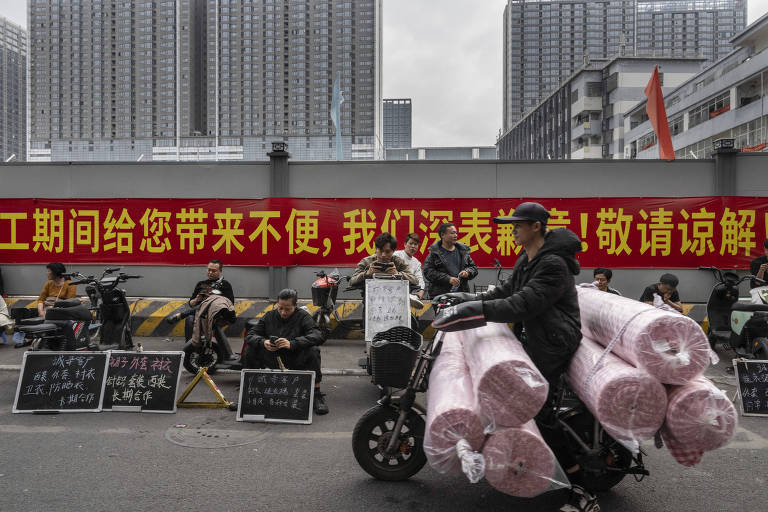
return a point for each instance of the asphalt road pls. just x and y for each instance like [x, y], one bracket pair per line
[202, 459]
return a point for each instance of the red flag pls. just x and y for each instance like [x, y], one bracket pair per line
[657, 114]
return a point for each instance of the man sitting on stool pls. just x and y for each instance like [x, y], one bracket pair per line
[291, 335]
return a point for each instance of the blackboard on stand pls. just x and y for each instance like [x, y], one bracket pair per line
[387, 305]
[142, 381]
[276, 396]
[752, 379]
[51, 382]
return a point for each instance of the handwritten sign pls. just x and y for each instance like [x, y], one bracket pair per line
[276, 396]
[386, 305]
[752, 377]
[61, 382]
[142, 381]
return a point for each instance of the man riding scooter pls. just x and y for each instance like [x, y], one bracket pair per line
[540, 298]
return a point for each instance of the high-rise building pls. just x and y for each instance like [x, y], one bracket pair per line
[547, 40]
[13, 91]
[203, 79]
[397, 123]
[584, 117]
[725, 101]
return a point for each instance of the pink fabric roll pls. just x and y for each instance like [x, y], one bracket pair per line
[510, 389]
[629, 403]
[700, 418]
[451, 408]
[669, 346]
[518, 462]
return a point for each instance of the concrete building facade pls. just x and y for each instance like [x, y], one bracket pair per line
[584, 117]
[726, 101]
[446, 153]
[397, 123]
[13, 91]
[547, 40]
[202, 79]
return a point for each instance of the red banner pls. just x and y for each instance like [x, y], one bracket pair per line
[616, 232]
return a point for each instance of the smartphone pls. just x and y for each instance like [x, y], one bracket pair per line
[273, 340]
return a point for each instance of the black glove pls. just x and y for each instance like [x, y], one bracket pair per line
[460, 317]
[455, 297]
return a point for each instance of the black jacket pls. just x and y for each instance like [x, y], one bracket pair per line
[299, 329]
[222, 285]
[540, 296]
[435, 272]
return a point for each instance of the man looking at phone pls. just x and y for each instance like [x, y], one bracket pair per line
[666, 288]
[214, 281]
[383, 261]
[287, 336]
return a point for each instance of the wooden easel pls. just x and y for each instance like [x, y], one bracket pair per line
[220, 402]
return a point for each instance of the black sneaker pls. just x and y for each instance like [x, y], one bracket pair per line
[173, 318]
[318, 403]
[580, 500]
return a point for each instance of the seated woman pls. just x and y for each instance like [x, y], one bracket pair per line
[57, 287]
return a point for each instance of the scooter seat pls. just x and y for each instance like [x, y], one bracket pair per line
[743, 306]
[38, 329]
[31, 321]
[67, 303]
[77, 313]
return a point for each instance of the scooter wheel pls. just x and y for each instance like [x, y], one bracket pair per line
[371, 436]
[196, 358]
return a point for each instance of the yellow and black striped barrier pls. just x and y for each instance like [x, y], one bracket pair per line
[148, 315]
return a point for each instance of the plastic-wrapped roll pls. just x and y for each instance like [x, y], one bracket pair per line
[509, 388]
[700, 418]
[518, 462]
[451, 408]
[669, 346]
[627, 401]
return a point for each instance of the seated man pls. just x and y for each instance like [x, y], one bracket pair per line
[603, 277]
[383, 261]
[289, 335]
[214, 280]
[666, 288]
[408, 255]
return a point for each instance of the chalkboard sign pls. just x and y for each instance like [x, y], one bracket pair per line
[142, 381]
[387, 305]
[61, 382]
[276, 396]
[752, 377]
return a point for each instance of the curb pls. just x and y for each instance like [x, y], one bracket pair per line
[147, 316]
[338, 372]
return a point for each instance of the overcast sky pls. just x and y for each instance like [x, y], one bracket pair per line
[446, 56]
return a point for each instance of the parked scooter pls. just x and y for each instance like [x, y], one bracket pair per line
[104, 326]
[741, 326]
[214, 354]
[388, 440]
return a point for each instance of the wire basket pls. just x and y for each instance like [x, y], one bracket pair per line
[393, 356]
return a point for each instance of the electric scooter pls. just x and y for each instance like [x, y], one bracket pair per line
[741, 326]
[106, 325]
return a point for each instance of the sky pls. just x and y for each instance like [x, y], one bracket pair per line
[446, 55]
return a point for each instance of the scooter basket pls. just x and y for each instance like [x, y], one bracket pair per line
[393, 356]
[320, 295]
